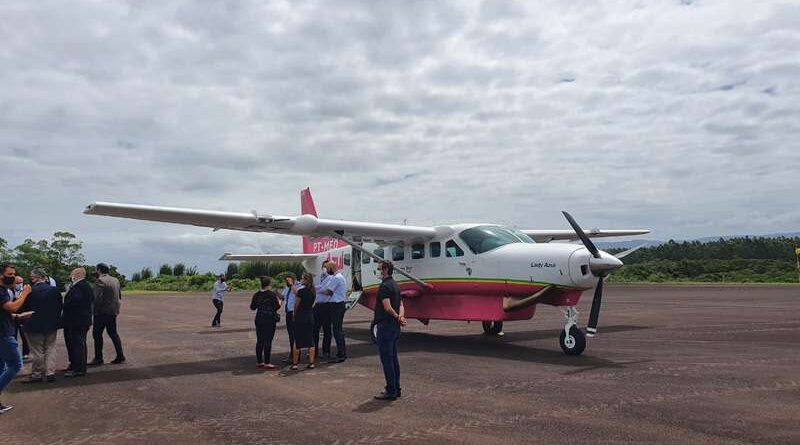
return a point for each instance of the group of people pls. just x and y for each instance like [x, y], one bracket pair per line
[37, 311]
[317, 304]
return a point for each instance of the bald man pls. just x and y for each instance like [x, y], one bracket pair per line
[77, 319]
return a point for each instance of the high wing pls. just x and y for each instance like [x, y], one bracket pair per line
[284, 257]
[545, 236]
[307, 225]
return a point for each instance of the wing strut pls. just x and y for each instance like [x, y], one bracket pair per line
[376, 257]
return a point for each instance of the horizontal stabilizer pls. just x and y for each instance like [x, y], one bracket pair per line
[269, 257]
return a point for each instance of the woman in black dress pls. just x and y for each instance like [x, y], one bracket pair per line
[265, 303]
[304, 320]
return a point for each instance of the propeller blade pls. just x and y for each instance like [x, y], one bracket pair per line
[629, 251]
[591, 328]
[582, 235]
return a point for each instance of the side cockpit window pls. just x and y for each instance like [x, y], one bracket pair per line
[453, 250]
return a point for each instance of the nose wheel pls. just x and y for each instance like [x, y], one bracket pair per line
[572, 339]
[493, 328]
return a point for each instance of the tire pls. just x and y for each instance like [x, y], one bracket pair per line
[492, 327]
[576, 345]
[373, 332]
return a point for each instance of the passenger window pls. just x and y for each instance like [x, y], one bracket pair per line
[452, 249]
[347, 259]
[417, 251]
[364, 258]
[436, 249]
[398, 253]
[378, 252]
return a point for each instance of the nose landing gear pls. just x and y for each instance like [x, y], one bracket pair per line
[572, 340]
[493, 328]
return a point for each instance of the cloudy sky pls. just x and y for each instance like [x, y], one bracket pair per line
[678, 116]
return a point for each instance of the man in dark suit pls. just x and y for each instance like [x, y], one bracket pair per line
[77, 319]
[42, 327]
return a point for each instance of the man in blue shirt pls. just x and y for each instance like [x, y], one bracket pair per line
[336, 288]
[288, 299]
[10, 358]
[322, 313]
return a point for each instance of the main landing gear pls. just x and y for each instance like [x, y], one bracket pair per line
[493, 328]
[572, 340]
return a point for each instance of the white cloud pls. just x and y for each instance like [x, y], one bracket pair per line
[679, 116]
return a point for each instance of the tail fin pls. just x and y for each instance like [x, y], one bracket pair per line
[318, 245]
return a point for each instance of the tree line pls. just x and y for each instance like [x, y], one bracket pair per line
[58, 256]
[736, 260]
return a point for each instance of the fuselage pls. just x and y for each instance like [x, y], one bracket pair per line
[471, 269]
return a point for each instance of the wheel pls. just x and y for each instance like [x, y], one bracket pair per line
[492, 327]
[373, 332]
[574, 343]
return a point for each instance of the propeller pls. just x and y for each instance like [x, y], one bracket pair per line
[600, 265]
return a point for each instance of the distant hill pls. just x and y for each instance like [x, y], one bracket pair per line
[605, 245]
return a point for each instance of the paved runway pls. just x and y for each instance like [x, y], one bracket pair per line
[672, 365]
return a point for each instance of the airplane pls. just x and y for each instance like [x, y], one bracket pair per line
[488, 273]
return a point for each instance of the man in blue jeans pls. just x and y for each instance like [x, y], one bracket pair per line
[10, 358]
[389, 318]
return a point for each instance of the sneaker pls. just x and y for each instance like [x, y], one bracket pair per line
[118, 361]
[260, 366]
[5, 408]
[96, 362]
[386, 396]
[51, 378]
[270, 366]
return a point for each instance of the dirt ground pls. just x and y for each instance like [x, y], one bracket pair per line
[672, 365]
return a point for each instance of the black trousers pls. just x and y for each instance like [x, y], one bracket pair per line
[290, 330]
[265, 332]
[337, 322]
[25, 347]
[75, 339]
[322, 319]
[217, 318]
[108, 323]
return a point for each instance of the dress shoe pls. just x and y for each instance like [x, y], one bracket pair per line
[96, 362]
[74, 374]
[337, 360]
[51, 378]
[118, 361]
[386, 396]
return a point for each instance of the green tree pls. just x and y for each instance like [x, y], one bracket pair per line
[165, 269]
[179, 269]
[146, 273]
[232, 271]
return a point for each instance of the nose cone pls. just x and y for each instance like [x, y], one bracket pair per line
[606, 263]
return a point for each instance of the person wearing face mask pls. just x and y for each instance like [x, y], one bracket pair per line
[322, 313]
[41, 329]
[10, 358]
[77, 318]
[288, 298]
[26, 350]
[217, 297]
[336, 288]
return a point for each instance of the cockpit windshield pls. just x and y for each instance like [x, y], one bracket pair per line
[485, 238]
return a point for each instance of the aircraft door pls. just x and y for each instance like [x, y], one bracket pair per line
[355, 268]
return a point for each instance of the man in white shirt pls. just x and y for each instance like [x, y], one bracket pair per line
[218, 295]
[336, 288]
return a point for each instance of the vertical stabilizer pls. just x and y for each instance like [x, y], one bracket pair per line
[317, 245]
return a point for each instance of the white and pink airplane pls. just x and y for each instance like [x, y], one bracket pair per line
[472, 272]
